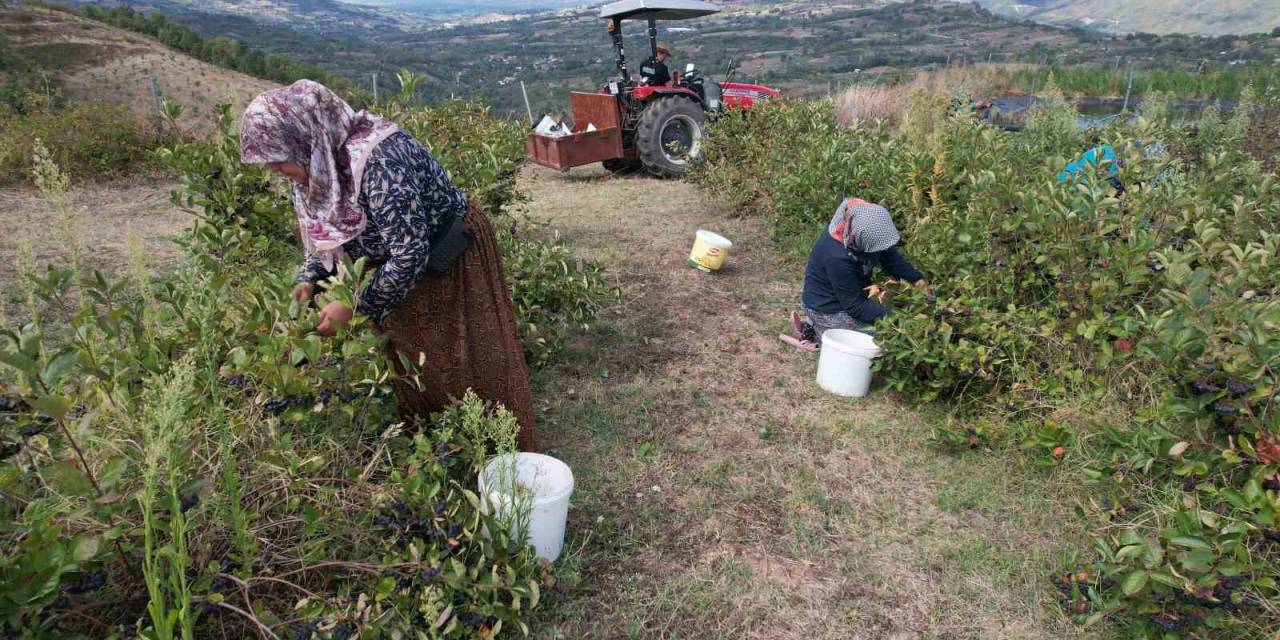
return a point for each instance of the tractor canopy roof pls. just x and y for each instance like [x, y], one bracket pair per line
[658, 9]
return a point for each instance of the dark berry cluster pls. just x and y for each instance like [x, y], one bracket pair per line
[343, 631]
[276, 406]
[1219, 597]
[1205, 387]
[1068, 584]
[9, 449]
[443, 453]
[236, 382]
[475, 620]
[1165, 621]
[399, 520]
[303, 630]
[188, 502]
[10, 404]
[403, 525]
[1225, 408]
[222, 584]
[86, 582]
[1237, 388]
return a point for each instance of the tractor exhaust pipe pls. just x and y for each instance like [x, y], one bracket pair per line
[615, 30]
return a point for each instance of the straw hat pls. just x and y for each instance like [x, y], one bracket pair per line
[662, 48]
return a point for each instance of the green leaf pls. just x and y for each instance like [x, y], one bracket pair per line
[69, 480]
[19, 362]
[59, 366]
[1134, 582]
[85, 548]
[385, 587]
[1197, 561]
[55, 406]
[1191, 542]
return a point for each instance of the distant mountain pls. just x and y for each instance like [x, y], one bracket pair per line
[1203, 17]
[450, 8]
[308, 16]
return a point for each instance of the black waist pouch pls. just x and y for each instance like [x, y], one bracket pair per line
[445, 250]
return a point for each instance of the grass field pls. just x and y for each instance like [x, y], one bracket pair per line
[721, 494]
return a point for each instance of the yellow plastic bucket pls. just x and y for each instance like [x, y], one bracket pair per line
[709, 251]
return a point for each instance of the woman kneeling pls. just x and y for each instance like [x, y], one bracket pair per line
[861, 237]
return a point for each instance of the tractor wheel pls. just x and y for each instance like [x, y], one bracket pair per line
[622, 166]
[670, 136]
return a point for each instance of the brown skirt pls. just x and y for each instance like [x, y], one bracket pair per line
[465, 325]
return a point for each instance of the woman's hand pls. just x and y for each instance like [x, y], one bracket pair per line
[304, 291]
[332, 316]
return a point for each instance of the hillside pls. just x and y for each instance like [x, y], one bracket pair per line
[803, 47]
[1204, 17]
[309, 16]
[93, 62]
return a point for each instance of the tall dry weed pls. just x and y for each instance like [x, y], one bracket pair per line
[869, 102]
[52, 183]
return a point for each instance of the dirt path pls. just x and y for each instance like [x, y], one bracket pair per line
[720, 494]
[104, 217]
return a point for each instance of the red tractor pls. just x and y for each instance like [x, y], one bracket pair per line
[652, 121]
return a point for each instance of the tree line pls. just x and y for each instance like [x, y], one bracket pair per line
[220, 50]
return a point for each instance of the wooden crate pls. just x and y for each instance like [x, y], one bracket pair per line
[582, 147]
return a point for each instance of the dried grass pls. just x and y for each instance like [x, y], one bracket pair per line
[782, 513]
[104, 216]
[869, 102]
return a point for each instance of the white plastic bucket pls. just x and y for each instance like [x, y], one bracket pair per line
[844, 366]
[532, 491]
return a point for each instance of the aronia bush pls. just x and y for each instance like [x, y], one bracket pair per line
[1156, 311]
[182, 457]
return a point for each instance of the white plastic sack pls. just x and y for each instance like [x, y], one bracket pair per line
[550, 128]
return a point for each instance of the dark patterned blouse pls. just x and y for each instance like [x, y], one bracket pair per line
[406, 196]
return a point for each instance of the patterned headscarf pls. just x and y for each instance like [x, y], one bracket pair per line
[864, 227]
[308, 124]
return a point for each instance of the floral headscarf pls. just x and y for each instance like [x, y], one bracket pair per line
[864, 227]
[308, 124]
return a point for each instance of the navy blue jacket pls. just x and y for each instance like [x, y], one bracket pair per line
[836, 281]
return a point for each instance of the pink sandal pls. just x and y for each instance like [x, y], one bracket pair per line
[797, 324]
[803, 345]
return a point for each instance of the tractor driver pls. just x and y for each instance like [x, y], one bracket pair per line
[654, 71]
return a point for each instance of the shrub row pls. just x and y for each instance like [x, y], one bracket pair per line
[88, 141]
[182, 457]
[1157, 311]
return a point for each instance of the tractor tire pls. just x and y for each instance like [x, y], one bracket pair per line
[622, 166]
[669, 137]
